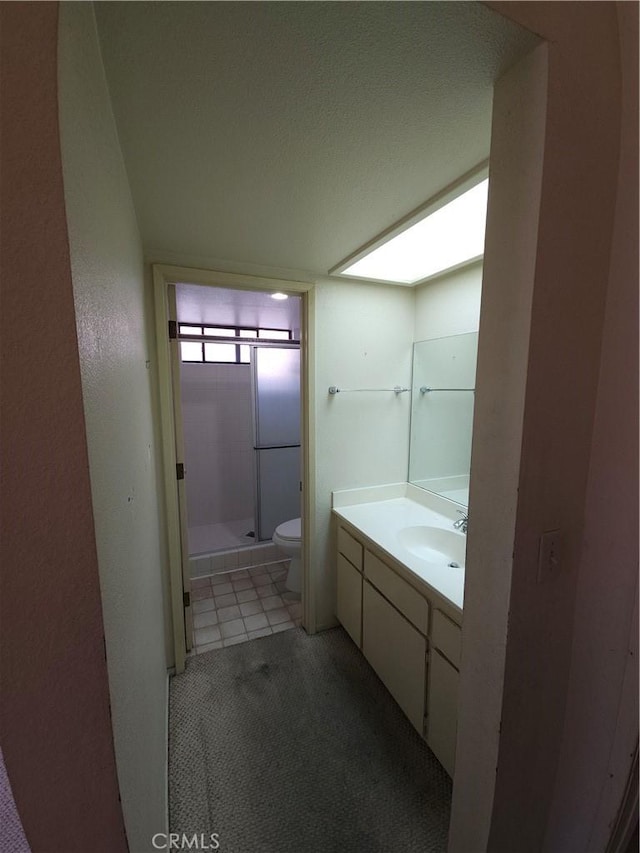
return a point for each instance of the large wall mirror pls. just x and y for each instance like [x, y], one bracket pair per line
[444, 374]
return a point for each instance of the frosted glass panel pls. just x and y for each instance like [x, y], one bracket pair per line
[219, 352]
[442, 418]
[274, 334]
[276, 379]
[190, 351]
[221, 333]
[278, 488]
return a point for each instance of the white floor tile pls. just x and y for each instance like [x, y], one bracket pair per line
[266, 591]
[263, 632]
[276, 617]
[202, 605]
[206, 635]
[282, 626]
[249, 608]
[255, 622]
[273, 602]
[225, 600]
[233, 641]
[199, 594]
[201, 620]
[232, 629]
[247, 595]
[295, 609]
[226, 614]
[209, 647]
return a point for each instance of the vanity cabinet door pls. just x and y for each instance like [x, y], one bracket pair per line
[349, 599]
[397, 652]
[442, 724]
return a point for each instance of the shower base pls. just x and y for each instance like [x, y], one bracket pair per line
[208, 538]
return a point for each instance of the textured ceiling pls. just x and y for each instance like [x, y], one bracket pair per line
[289, 134]
[219, 306]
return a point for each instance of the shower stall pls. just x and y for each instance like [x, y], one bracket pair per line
[241, 419]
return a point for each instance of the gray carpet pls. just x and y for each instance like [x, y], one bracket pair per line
[291, 744]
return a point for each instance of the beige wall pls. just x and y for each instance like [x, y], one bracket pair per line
[363, 340]
[503, 344]
[115, 350]
[571, 279]
[449, 304]
[602, 697]
[55, 725]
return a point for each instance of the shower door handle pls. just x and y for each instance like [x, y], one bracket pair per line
[274, 446]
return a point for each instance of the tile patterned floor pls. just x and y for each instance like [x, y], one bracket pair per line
[242, 605]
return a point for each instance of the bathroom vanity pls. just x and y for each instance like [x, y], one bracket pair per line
[400, 585]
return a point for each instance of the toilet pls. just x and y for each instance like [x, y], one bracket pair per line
[288, 537]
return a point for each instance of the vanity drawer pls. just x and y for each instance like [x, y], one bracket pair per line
[447, 637]
[401, 594]
[350, 547]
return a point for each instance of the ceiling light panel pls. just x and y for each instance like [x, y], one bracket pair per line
[446, 238]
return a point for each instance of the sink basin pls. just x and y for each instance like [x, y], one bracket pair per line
[434, 544]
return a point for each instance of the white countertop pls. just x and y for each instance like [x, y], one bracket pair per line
[382, 520]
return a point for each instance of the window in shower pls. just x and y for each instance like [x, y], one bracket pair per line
[221, 352]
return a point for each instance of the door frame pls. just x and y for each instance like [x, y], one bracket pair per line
[163, 276]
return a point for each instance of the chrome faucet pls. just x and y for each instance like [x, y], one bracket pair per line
[462, 523]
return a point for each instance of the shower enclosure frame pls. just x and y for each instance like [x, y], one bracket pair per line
[165, 278]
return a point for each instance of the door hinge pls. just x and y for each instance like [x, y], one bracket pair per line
[173, 330]
[180, 470]
[186, 599]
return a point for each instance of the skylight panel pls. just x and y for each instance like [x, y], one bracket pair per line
[446, 238]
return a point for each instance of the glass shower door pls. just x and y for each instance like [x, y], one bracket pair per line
[276, 421]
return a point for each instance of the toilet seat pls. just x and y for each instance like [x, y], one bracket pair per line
[289, 531]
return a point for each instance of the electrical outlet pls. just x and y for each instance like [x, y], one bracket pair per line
[549, 556]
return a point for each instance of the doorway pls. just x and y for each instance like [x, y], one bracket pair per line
[234, 374]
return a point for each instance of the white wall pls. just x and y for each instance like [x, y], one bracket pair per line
[364, 335]
[568, 264]
[449, 304]
[115, 348]
[514, 192]
[602, 706]
[218, 439]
